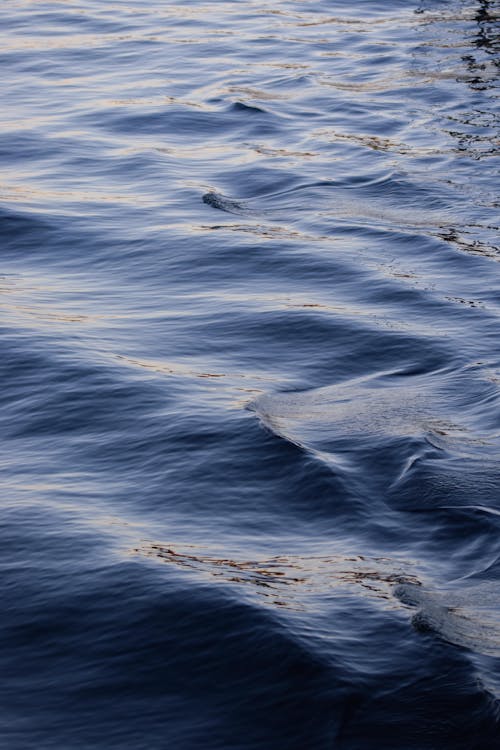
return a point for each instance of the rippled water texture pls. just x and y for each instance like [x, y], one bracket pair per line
[250, 375]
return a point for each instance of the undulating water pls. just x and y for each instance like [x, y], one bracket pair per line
[250, 361]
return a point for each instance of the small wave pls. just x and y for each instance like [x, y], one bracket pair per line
[384, 199]
[469, 617]
[222, 203]
[251, 109]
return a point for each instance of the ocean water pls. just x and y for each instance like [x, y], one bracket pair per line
[250, 360]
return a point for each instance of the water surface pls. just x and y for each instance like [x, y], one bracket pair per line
[250, 375]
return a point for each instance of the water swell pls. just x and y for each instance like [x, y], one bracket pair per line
[407, 425]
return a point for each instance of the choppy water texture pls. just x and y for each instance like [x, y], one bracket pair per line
[250, 375]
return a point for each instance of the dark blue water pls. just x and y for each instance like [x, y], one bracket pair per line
[250, 363]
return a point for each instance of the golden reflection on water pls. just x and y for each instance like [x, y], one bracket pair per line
[43, 196]
[293, 581]
[177, 368]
